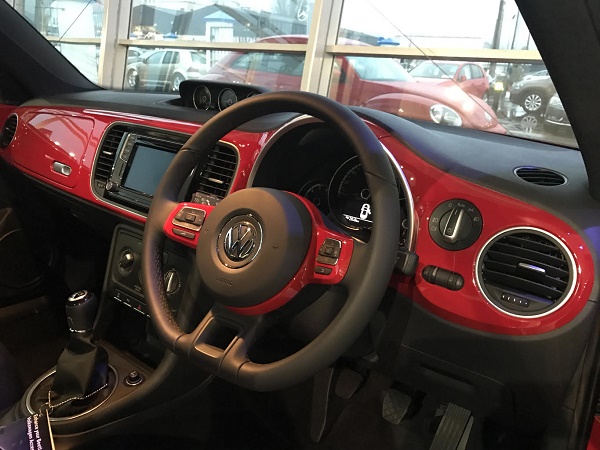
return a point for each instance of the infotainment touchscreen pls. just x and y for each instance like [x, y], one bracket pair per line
[146, 169]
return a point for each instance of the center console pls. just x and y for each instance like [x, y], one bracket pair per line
[130, 328]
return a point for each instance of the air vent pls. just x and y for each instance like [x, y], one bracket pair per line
[540, 176]
[218, 172]
[526, 272]
[8, 131]
[108, 153]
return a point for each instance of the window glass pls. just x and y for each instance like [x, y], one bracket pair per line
[514, 97]
[476, 71]
[465, 73]
[378, 69]
[429, 69]
[155, 58]
[197, 58]
[222, 21]
[63, 23]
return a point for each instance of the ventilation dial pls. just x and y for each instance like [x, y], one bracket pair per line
[455, 224]
[126, 261]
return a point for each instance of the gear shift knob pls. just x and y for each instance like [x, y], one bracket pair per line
[81, 310]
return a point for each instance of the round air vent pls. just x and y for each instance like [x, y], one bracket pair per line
[526, 272]
[540, 176]
[8, 131]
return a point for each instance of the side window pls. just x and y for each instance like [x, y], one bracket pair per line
[465, 72]
[175, 58]
[155, 58]
[168, 57]
[476, 71]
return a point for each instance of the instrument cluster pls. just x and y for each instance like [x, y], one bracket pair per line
[345, 198]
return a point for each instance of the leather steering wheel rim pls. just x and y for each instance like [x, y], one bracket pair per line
[368, 274]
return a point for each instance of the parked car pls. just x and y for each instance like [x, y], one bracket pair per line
[133, 54]
[362, 81]
[556, 119]
[165, 69]
[470, 77]
[538, 74]
[532, 94]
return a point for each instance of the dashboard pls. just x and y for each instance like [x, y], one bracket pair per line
[450, 220]
[495, 269]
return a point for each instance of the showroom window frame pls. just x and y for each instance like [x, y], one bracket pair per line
[320, 51]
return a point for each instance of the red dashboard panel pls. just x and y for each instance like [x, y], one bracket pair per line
[72, 135]
[53, 141]
[467, 306]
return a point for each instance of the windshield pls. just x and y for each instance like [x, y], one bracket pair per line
[468, 63]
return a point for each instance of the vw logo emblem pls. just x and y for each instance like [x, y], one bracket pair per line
[240, 240]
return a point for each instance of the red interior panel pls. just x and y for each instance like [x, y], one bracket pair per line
[72, 135]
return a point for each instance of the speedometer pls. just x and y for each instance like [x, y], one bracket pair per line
[350, 198]
[317, 193]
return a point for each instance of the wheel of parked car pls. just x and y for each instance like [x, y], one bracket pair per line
[529, 123]
[133, 79]
[257, 244]
[533, 101]
[176, 81]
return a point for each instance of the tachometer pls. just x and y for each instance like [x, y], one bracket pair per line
[227, 98]
[349, 196]
[317, 193]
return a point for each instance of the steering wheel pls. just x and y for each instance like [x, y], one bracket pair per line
[258, 247]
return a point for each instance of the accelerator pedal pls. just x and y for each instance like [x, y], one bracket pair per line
[454, 429]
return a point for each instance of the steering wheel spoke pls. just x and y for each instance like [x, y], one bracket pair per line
[329, 258]
[355, 267]
[185, 221]
[222, 341]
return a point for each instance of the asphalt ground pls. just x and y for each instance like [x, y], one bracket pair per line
[531, 126]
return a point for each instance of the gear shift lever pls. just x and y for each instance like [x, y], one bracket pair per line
[81, 311]
[82, 368]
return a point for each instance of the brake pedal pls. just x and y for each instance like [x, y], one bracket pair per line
[395, 406]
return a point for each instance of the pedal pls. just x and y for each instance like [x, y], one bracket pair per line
[348, 383]
[395, 406]
[454, 429]
[320, 403]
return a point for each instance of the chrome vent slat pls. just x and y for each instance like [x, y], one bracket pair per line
[540, 176]
[523, 284]
[218, 173]
[529, 254]
[529, 264]
[107, 154]
[495, 269]
[9, 129]
[514, 261]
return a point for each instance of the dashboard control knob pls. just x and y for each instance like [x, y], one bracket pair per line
[111, 186]
[134, 378]
[455, 224]
[126, 261]
[172, 281]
